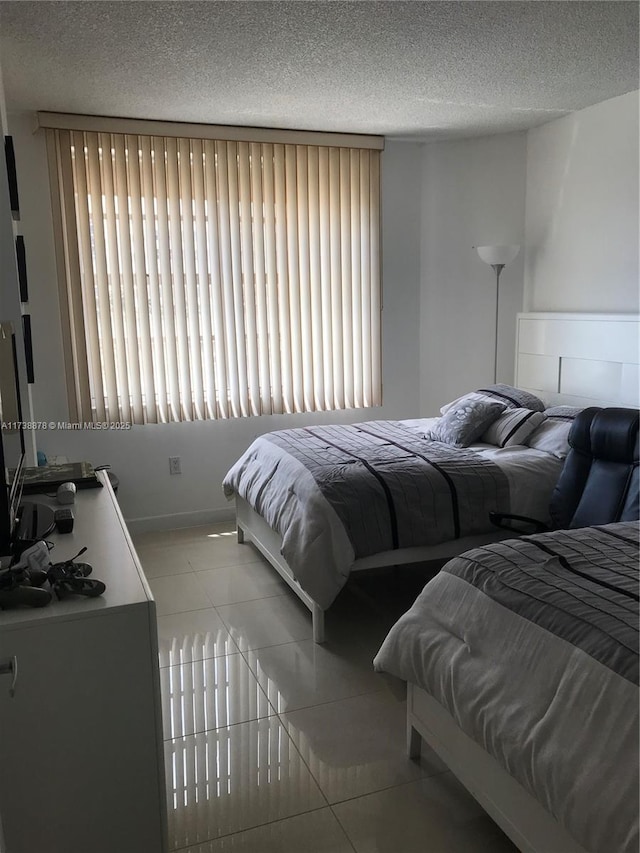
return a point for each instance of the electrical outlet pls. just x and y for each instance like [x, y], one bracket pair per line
[174, 465]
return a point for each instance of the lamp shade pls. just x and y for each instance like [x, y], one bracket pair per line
[497, 254]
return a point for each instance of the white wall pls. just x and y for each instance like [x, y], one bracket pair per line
[582, 210]
[207, 449]
[473, 193]
[577, 178]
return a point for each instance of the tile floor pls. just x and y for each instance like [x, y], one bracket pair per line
[274, 744]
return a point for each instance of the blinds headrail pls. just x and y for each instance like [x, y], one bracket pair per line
[148, 127]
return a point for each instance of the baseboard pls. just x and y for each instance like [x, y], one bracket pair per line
[179, 519]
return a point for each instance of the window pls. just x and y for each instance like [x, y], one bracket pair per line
[212, 278]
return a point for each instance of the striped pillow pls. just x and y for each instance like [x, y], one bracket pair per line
[512, 427]
[513, 398]
[553, 435]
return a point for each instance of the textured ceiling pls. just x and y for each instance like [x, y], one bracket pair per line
[409, 69]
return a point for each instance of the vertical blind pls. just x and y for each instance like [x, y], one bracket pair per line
[206, 278]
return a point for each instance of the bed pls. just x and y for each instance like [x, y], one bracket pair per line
[447, 492]
[522, 664]
[343, 498]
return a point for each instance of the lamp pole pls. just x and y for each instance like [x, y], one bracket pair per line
[497, 257]
[497, 269]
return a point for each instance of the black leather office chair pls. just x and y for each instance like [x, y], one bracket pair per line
[599, 483]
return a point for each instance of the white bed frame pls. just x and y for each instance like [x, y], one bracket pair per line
[253, 528]
[520, 816]
[579, 359]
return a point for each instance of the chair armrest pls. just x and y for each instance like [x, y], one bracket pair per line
[503, 519]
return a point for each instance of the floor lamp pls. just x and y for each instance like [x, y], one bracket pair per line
[497, 257]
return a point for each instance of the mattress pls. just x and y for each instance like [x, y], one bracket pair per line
[531, 646]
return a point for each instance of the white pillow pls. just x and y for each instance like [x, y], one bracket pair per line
[552, 436]
[512, 427]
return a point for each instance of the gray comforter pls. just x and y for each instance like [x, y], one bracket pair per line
[392, 488]
[532, 647]
[339, 493]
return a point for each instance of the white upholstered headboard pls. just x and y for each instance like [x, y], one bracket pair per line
[579, 359]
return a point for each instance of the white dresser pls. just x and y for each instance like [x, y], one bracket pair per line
[81, 762]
